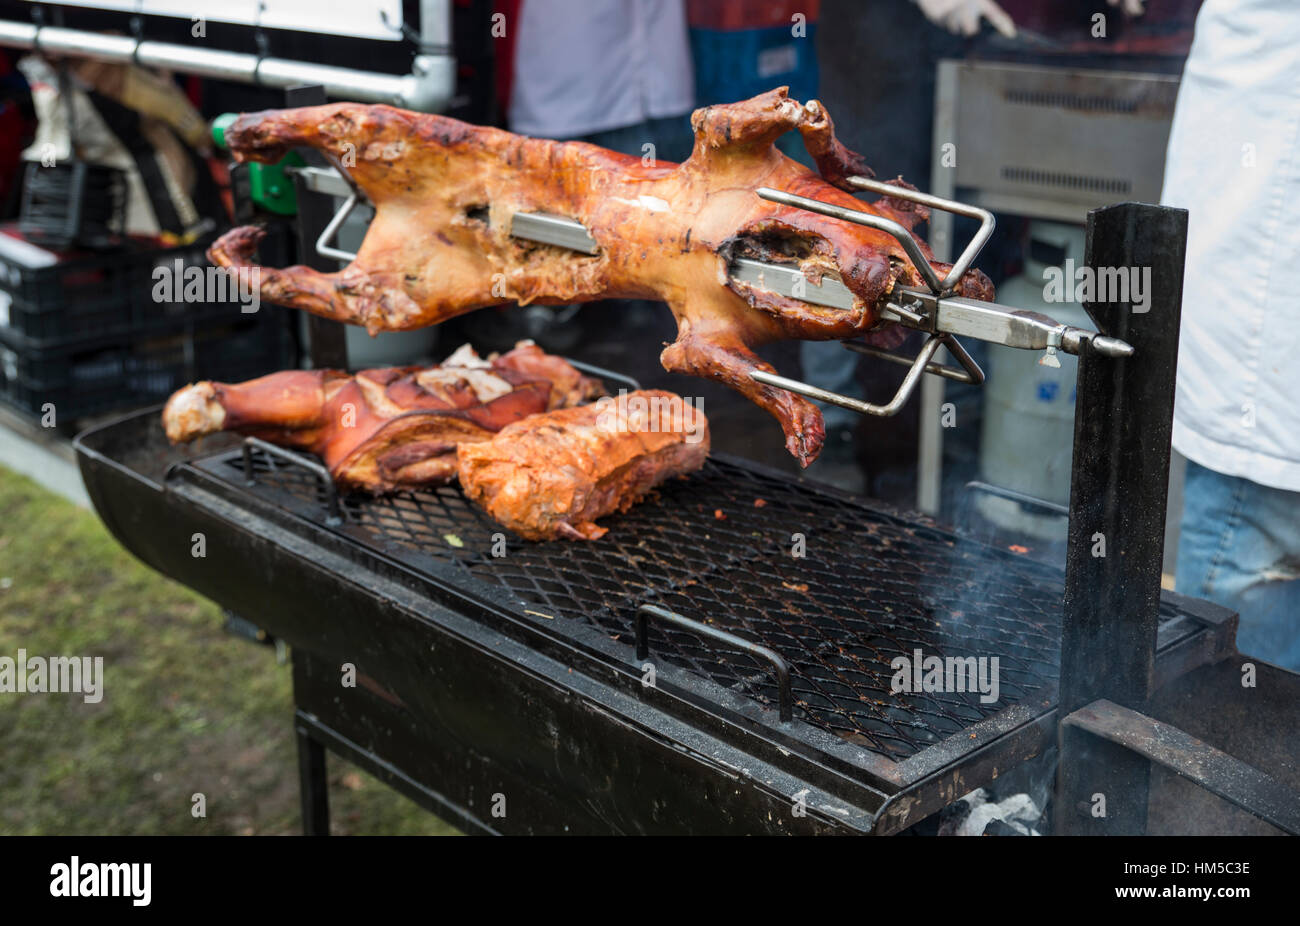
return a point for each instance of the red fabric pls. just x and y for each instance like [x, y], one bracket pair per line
[15, 133]
[505, 52]
[748, 14]
[194, 91]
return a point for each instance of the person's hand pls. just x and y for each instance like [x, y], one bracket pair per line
[963, 16]
[1131, 7]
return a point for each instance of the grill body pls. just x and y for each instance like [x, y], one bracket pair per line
[514, 678]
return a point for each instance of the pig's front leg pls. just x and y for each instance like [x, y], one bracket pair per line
[719, 356]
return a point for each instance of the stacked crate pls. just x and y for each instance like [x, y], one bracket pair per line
[84, 333]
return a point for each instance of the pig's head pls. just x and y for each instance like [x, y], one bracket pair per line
[870, 263]
[735, 147]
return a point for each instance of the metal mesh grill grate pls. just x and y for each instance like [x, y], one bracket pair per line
[717, 547]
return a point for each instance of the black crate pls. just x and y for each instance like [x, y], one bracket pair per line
[52, 300]
[103, 378]
[74, 204]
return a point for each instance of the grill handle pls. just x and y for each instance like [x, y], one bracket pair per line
[604, 374]
[1029, 501]
[297, 459]
[780, 668]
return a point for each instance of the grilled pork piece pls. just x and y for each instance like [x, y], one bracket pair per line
[384, 429]
[445, 194]
[552, 475]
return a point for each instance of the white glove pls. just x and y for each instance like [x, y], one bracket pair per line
[963, 16]
[1131, 7]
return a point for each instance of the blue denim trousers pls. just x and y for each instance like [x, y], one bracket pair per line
[671, 136]
[1240, 547]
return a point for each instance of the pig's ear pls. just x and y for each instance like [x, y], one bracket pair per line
[834, 162]
[749, 124]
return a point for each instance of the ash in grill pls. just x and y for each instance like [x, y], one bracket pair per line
[718, 547]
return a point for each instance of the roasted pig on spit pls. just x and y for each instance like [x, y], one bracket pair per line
[552, 475]
[380, 430]
[445, 194]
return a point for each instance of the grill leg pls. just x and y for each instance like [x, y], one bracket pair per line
[313, 788]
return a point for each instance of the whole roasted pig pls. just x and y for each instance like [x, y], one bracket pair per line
[553, 475]
[445, 194]
[380, 430]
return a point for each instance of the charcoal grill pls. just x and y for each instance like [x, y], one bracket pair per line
[717, 549]
[377, 585]
[722, 660]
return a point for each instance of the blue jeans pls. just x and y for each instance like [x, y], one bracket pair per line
[671, 136]
[1240, 547]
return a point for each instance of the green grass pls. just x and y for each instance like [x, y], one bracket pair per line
[187, 708]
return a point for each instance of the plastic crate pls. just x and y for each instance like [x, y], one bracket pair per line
[74, 203]
[51, 299]
[103, 378]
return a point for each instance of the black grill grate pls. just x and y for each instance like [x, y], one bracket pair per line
[718, 547]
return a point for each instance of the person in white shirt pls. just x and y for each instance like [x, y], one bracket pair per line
[614, 74]
[582, 69]
[1234, 163]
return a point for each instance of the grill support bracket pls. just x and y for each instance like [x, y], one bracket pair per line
[1118, 486]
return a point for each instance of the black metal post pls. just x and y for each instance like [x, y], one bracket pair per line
[329, 346]
[313, 784]
[1120, 474]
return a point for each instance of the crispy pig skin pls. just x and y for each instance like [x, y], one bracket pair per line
[445, 194]
[551, 476]
[384, 429]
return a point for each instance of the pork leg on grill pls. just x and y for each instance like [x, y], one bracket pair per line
[553, 475]
[384, 429]
[445, 194]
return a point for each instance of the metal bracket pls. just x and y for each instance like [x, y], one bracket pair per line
[936, 311]
[333, 182]
[1224, 776]
[923, 362]
[323, 180]
[970, 371]
[904, 237]
[534, 226]
[996, 324]
[323, 246]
